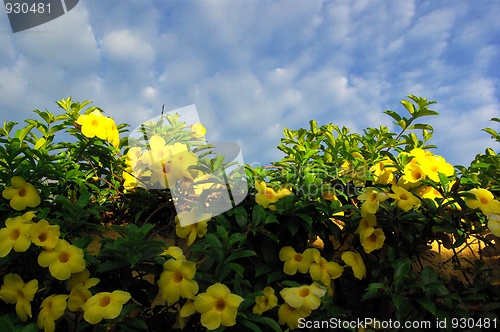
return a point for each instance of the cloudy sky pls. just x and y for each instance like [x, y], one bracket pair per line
[253, 67]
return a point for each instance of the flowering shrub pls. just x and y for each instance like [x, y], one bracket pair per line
[102, 233]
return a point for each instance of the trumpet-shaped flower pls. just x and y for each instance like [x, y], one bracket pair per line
[370, 220]
[266, 197]
[198, 130]
[485, 201]
[429, 192]
[305, 296]
[383, 171]
[157, 152]
[21, 194]
[217, 306]
[325, 271]
[405, 199]
[15, 291]
[433, 165]
[104, 305]
[44, 234]
[195, 224]
[78, 285]
[175, 252]
[133, 157]
[265, 302]
[494, 223]
[412, 173]
[372, 199]
[63, 260]
[354, 260]
[297, 262]
[177, 281]
[372, 239]
[94, 124]
[185, 312]
[112, 133]
[51, 309]
[290, 316]
[15, 235]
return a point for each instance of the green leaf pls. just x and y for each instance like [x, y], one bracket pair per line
[401, 271]
[6, 325]
[427, 305]
[393, 115]
[239, 269]
[429, 275]
[409, 106]
[241, 254]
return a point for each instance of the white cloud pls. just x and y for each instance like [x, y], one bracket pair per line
[127, 46]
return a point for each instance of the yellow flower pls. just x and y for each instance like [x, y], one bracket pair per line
[429, 192]
[191, 231]
[217, 306]
[21, 194]
[94, 124]
[198, 130]
[185, 312]
[51, 309]
[372, 199]
[63, 260]
[104, 305]
[133, 157]
[290, 316]
[354, 260]
[383, 171]
[112, 133]
[177, 281]
[265, 302]
[15, 235]
[15, 291]
[267, 196]
[494, 223]
[412, 173]
[405, 199]
[297, 262]
[79, 284]
[305, 296]
[44, 235]
[433, 165]
[370, 220]
[485, 201]
[372, 239]
[175, 252]
[325, 271]
[190, 224]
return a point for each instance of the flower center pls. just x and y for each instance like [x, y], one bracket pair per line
[304, 292]
[220, 305]
[484, 200]
[95, 123]
[22, 192]
[42, 237]
[63, 257]
[269, 193]
[177, 277]
[417, 175]
[15, 234]
[298, 257]
[403, 197]
[104, 301]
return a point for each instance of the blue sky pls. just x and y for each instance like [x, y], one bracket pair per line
[254, 67]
